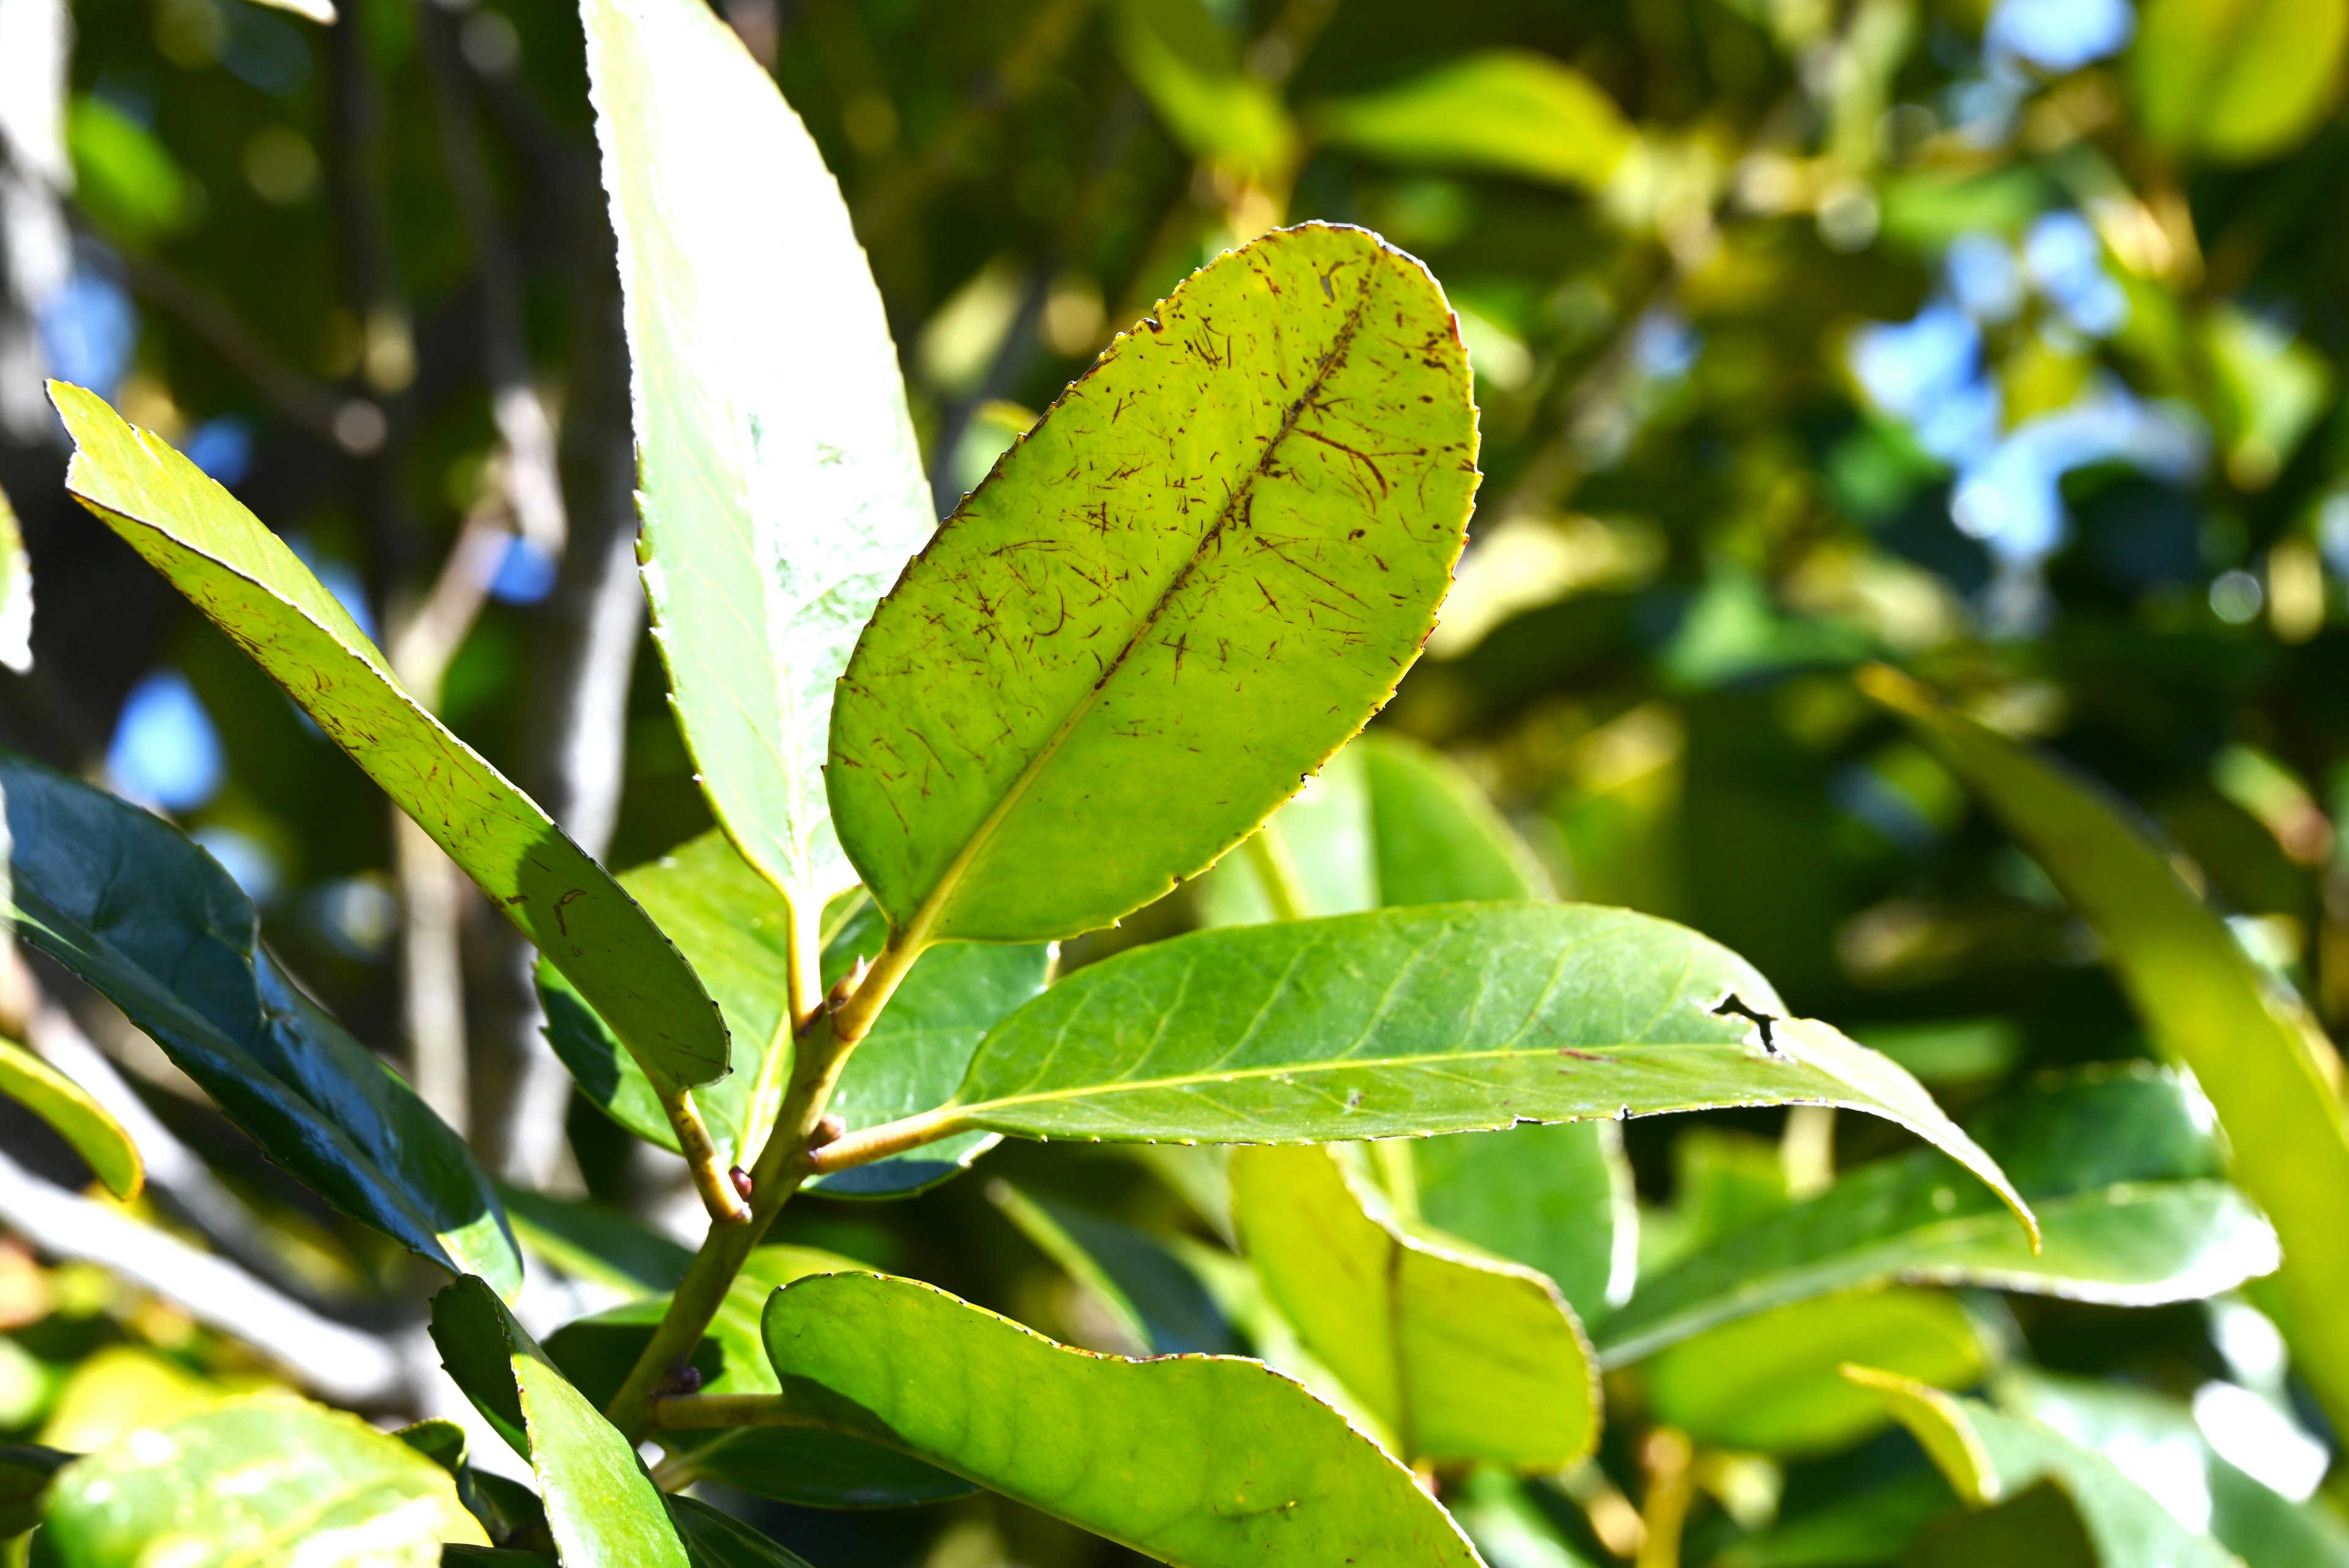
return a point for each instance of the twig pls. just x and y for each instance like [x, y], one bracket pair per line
[336, 1361]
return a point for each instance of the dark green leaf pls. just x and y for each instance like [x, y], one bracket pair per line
[121, 898]
[590, 1241]
[24, 1473]
[70, 1112]
[1458, 1357]
[264, 1481]
[1200, 1461]
[779, 503]
[715, 1540]
[1441, 1019]
[735, 928]
[1152, 1295]
[818, 1469]
[1186, 588]
[248, 582]
[2253, 1048]
[1771, 1382]
[601, 1510]
[2119, 1165]
[2040, 1525]
[1867, 1524]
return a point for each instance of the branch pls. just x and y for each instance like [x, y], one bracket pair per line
[337, 1362]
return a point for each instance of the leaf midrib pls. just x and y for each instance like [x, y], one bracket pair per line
[916, 932]
[967, 1113]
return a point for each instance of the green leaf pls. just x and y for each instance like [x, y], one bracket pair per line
[601, 1507]
[1189, 69]
[1558, 1198]
[1770, 1382]
[1505, 111]
[1199, 574]
[80, 1120]
[25, 1474]
[124, 901]
[1200, 1461]
[593, 1242]
[815, 1469]
[123, 175]
[15, 593]
[1865, 1524]
[2253, 1048]
[2119, 1165]
[715, 1540]
[2159, 1443]
[736, 930]
[262, 1480]
[1447, 1018]
[781, 485]
[2040, 1525]
[2238, 80]
[1162, 1306]
[248, 583]
[1989, 1457]
[1387, 822]
[1459, 1357]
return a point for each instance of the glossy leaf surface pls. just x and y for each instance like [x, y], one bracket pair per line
[1771, 1382]
[2238, 80]
[817, 1470]
[2119, 1165]
[779, 503]
[1200, 1461]
[1200, 572]
[601, 1507]
[1989, 1456]
[120, 898]
[274, 1481]
[1505, 111]
[2253, 1048]
[75, 1117]
[736, 930]
[248, 582]
[1445, 1017]
[1460, 1358]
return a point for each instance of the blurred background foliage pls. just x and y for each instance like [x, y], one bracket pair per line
[1997, 338]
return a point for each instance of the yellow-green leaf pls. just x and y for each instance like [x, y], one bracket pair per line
[2238, 80]
[2268, 1070]
[248, 583]
[1198, 575]
[1507, 111]
[80, 1120]
[1461, 1357]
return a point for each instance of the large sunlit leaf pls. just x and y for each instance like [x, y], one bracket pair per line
[2269, 1072]
[274, 1481]
[601, 1507]
[248, 583]
[817, 1470]
[1460, 1358]
[735, 928]
[120, 898]
[1771, 1382]
[1445, 1017]
[1989, 1456]
[1505, 111]
[80, 1120]
[1200, 1461]
[781, 485]
[2119, 1165]
[1198, 575]
[2238, 80]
